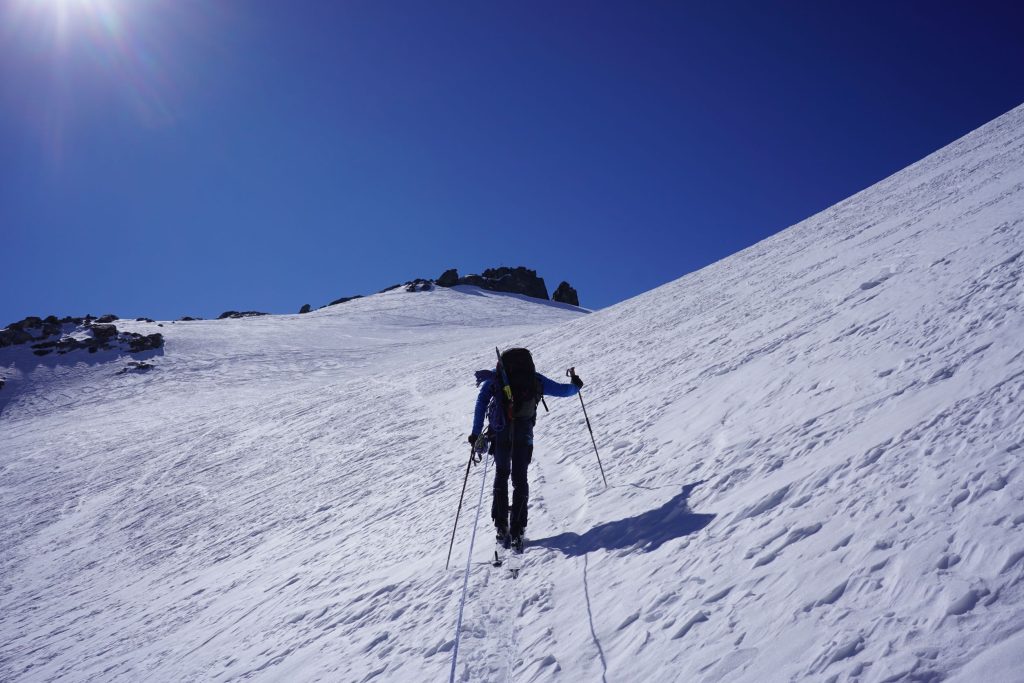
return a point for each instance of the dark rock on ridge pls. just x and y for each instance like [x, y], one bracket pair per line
[29, 322]
[12, 336]
[20, 332]
[103, 333]
[419, 285]
[54, 335]
[518, 280]
[239, 314]
[449, 278]
[139, 342]
[566, 294]
[306, 308]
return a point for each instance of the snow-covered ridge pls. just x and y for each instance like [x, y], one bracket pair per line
[813, 448]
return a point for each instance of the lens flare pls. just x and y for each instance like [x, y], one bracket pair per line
[71, 59]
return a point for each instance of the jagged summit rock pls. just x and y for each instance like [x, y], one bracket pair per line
[566, 294]
[449, 278]
[518, 280]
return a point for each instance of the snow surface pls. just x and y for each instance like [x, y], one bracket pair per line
[814, 450]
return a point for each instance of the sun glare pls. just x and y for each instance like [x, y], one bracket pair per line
[91, 54]
[56, 24]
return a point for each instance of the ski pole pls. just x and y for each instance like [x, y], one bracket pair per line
[472, 456]
[571, 372]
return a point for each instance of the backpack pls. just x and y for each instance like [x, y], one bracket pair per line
[527, 389]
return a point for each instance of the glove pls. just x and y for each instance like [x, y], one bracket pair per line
[577, 382]
[473, 438]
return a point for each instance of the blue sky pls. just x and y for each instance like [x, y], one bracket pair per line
[163, 158]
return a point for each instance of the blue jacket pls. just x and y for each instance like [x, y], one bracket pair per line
[551, 388]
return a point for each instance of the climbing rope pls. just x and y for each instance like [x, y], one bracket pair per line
[465, 578]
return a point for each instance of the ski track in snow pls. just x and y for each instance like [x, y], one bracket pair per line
[813, 449]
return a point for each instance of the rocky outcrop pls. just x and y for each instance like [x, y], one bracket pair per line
[239, 314]
[103, 333]
[419, 285]
[63, 335]
[11, 337]
[33, 328]
[518, 280]
[306, 308]
[566, 294]
[137, 343]
[449, 278]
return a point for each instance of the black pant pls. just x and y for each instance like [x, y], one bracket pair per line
[512, 459]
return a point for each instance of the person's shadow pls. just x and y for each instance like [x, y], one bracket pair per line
[646, 532]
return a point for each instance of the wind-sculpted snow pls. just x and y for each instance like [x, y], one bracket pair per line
[813, 449]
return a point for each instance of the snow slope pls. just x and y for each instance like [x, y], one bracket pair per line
[813, 448]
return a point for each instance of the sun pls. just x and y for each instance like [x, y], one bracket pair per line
[53, 25]
[87, 58]
[98, 18]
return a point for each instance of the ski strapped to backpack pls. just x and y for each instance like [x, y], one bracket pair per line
[508, 397]
[506, 384]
